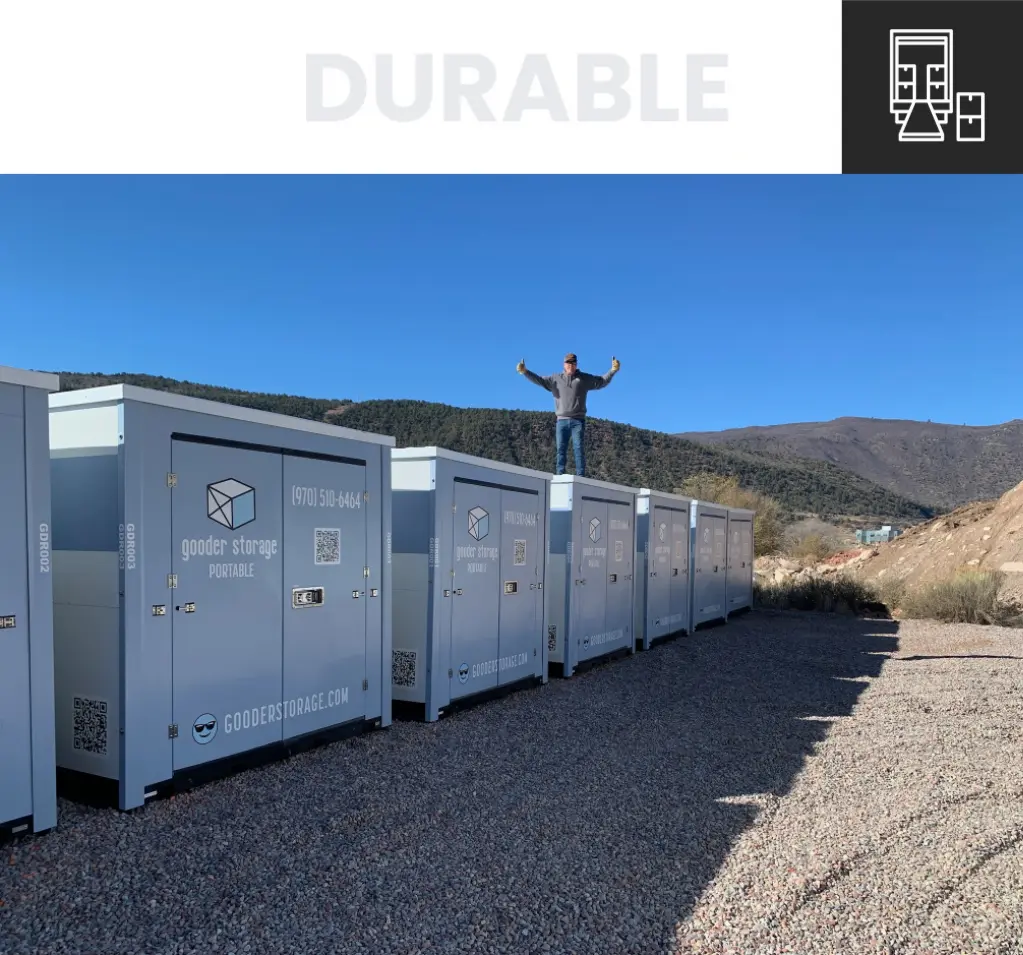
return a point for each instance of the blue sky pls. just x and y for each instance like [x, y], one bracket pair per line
[730, 301]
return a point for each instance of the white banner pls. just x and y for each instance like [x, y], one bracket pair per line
[325, 86]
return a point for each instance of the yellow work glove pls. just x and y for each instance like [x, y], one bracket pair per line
[615, 364]
[521, 366]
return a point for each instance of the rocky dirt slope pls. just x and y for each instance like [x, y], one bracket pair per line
[986, 536]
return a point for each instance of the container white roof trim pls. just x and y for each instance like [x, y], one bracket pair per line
[648, 492]
[591, 482]
[111, 394]
[29, 379]
[430, 453]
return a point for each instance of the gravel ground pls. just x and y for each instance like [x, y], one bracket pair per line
[904, 833]
[755, 788]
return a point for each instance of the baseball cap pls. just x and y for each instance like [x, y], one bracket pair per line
[570, 357]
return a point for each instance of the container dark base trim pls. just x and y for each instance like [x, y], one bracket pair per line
[739, 612]
[558, 669]
[17, 829]
[404, 710]
[710, 624]
[664, 638]
[104, 793]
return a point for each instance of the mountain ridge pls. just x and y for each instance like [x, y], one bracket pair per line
[941, 465]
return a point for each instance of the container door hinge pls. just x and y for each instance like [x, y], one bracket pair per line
[365, 571]
[172, 581]
[365, 684]
[365, 495]
[172, 731]
[172, 479]
[451, 673]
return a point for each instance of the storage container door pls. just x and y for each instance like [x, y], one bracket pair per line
[720, 526]
[658, 601]
[475, 588]
[621, 554]
[15, 702]
[590, 578]
[521, 598]
[710, 565]
[325, 594]
[678, 617]
[226, 521]
[734, 577]
[747, 553]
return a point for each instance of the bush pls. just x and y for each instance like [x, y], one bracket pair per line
[891, 591]
[834, 594]
[768, 530]
[814, 546]
[968, 597]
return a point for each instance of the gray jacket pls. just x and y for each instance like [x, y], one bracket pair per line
[570, 390]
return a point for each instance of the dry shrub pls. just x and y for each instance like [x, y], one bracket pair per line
[833, 594]
[967, 597]
[768, 529]
[812, 546]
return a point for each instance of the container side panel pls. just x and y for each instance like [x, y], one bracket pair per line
[86, 607]
[40, 611]
[520, 643]
[15, 698]
[475, 589]
[410, 581]
[326, 595]
[227, 607]
[590, 580]
[380, 622]
[643, 568]
[146, 637]
[559, 570]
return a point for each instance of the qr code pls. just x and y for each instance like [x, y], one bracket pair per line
[328, 545]
[403, 667]
[90, 726]
[552, 638]
[520, 553]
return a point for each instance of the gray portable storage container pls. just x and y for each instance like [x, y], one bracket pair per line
[469, 554]
[28, 795]
[662, 566]
[221, 588]
[590, 579]
[710, 562]
[740, 559]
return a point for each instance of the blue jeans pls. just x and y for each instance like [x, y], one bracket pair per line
[573, 428]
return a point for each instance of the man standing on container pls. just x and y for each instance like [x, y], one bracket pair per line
[570, 388]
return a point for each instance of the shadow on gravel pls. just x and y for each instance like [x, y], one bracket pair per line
[584, 816]
[963, 656]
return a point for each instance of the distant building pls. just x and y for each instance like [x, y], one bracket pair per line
[885, 534]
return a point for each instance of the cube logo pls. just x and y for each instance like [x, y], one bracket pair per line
[231, 503]
[479, 523]
[595, 530]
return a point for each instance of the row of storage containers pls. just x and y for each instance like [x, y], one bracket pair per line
[206, 586]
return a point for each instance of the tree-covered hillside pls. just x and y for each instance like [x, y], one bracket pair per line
[615, 452]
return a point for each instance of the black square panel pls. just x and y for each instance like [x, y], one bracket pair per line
[932, 86]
